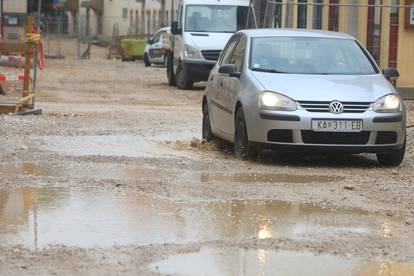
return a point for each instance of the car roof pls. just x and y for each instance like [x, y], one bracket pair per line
[295, 33]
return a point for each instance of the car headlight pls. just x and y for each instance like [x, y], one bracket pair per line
[389, 103]
[192, 52]
[276, 101]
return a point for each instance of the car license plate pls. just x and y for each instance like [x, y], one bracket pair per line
[337, 125]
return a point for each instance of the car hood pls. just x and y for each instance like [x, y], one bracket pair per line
[363, 88]
[214, 41]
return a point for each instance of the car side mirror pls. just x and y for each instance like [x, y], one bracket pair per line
[229, 69]
[390, 73]
[175, 28]
[149, 41]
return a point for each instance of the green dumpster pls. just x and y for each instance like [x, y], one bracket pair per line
[132, 49]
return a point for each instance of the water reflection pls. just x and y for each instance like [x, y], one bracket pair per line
[93, 217]
[235, 261]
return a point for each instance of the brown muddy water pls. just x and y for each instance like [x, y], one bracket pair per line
[235, 261]
[38, 217]
[113, 171]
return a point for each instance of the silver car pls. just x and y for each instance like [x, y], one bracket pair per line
[303, 90]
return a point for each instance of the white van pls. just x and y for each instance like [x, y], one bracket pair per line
[200, 34]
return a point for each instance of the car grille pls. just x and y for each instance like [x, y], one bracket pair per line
[386, 137]
[349, 107]
[280, 135]
[339, 138]
[211, 54]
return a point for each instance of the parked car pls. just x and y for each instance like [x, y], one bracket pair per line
[155, 51]
[303, 90]
[200, 34]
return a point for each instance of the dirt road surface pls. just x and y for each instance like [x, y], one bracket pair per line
[113, 179]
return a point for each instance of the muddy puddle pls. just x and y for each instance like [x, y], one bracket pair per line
[234, 261]
[113, 171]
[37, 217]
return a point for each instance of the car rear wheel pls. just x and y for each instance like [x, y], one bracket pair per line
[392, 159]
[182, 80]
[207, 134]
[170, 69]
[242, 147]
[146, 60]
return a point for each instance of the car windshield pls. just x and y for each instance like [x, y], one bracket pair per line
[309, 55]
[215, 18]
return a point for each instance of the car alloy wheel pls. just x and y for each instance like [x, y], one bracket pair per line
[242, 147]
[206, 127]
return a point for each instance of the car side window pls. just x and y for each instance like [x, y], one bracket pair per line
[237, 58]
[156, 38]
[228, 51]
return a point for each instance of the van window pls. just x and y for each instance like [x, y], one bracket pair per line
[215, 18]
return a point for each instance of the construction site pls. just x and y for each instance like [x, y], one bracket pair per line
[103, 169]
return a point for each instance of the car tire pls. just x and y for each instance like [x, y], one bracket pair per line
[170, 69]
[181, 79]
[242, 147]
[146, 60]
[392, 159]
[207, 134]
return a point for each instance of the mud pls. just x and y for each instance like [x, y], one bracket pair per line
[234, 261]
[114, 179]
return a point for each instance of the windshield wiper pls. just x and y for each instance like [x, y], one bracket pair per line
[267, 70]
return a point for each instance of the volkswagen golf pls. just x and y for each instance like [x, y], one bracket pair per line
[300, 90]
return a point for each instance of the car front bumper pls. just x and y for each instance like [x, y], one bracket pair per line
[381, 132]
[197, 70]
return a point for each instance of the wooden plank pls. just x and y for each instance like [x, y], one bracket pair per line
[7, 108]
[28, 55]
[17, 48]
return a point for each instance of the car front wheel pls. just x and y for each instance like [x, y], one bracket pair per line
[170, 69]
[146, 60]
[182, 80]
[206, 127]
[392, 159]
[242, 147]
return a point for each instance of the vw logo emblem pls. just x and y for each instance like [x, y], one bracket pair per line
[336, 107]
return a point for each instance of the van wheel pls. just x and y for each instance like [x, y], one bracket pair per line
[242, 147]
[392, 159]
[170, 70]
[207, 134]
[146, 60]
[182, 80]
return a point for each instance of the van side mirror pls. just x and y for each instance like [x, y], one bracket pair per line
[229, 69]
[390, 73]
[175, 30]
[149, 41]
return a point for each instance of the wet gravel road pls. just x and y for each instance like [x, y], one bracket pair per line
[113, 179]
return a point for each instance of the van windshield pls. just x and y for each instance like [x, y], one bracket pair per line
[215, 18]
[309, 55]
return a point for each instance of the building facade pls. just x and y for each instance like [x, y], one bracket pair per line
[385, 27]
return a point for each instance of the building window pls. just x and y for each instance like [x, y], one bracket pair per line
[317, 14]
[374, 29]
[393, 52]
[302, 14]
[333, 21]
[278, 14]
[125, 13]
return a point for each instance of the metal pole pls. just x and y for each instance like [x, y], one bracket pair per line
[39, 11]
[58, 33]
[78, 39]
